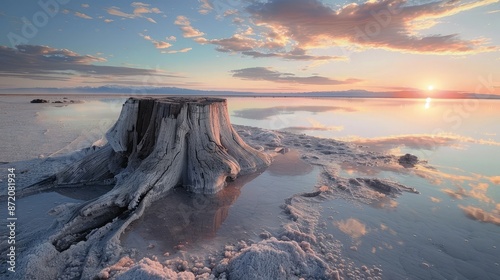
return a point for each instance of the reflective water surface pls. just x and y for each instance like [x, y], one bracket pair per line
[449, 231]
[241, 211]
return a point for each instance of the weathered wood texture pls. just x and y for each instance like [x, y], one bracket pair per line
[155, 145]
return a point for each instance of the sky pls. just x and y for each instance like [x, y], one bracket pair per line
[253, 45]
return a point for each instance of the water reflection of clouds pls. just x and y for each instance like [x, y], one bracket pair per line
[482, 215]
[384, 227]
[312, 128]
[352, 227]
[289, 164]
[315, 126]
[266, 113]
[420, 141]
[432, 175]
[75, 111]
[384, 203]
[436, 177]
[478, 191]
[435, 199]
[495, 180]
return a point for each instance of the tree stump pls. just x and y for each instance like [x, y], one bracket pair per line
[156, 144]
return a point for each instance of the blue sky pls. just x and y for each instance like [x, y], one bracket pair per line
[268, 45]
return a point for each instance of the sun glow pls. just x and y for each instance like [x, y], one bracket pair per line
[428, 103]
[430, 87]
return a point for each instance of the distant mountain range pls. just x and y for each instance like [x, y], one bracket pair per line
[111, 89]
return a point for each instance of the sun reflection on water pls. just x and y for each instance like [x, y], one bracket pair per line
[428, 103]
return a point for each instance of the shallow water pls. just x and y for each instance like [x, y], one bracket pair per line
[449, 231]
[241, 211]
[33, 212]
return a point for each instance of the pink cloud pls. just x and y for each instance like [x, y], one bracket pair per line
[187, 30]
[387, 24]
[82, 15]
[157, 44]
[268, 74]
[185, 50]
[140, 11]
[205, 7]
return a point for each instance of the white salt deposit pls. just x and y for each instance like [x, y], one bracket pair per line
[302, 248]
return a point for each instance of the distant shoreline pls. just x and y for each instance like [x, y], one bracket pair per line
[174, 91]
[299, 95]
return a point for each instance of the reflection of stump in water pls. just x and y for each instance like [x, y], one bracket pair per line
[186, 217]
[155, 145]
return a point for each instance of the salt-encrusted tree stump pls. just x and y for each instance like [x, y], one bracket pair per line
[156, 144]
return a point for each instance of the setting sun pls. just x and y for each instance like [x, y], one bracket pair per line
[430, 87]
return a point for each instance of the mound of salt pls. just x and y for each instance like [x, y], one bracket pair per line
[275, 259]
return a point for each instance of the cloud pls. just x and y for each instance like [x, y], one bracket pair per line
[271, 46]
[115, 11]
[238, 20]
[230, 12]
[82, 15]
[387, 24]
[205, 7]
[246, 45]
[185, 50]
[267, 45]
[297, 54]
[266, 74]
[162, 45]
[108, 20]
[140, 10]
[481, 215]
[237, 43]
[85, 5]
[187, 30]
[43, 62]
[157, 44]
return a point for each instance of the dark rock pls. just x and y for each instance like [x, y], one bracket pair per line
[39, 101]
[408, 161]
[311, 194]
